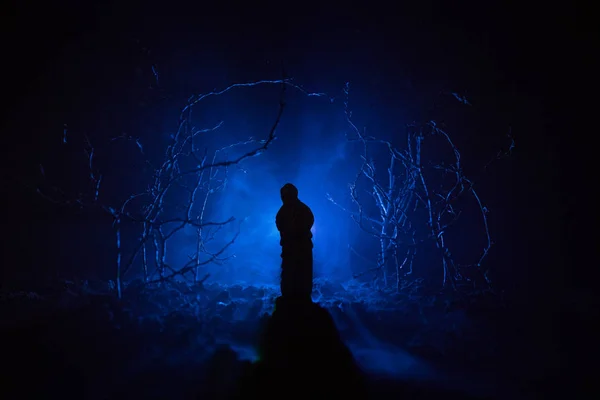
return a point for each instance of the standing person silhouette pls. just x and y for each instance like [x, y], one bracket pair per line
[294, 222]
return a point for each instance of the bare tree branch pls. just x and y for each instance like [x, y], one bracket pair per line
[404, 211]
[178, 193]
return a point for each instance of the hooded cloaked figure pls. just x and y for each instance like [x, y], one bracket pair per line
[294, 222]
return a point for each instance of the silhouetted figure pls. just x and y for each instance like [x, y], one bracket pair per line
[294, 222]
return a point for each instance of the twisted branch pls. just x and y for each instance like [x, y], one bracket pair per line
[399, 197]
[186, 168]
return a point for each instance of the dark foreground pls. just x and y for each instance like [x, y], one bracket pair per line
[98, 351]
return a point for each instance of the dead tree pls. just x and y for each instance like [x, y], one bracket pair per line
[177, 194]
[408, 206]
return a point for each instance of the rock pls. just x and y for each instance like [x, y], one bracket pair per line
[213, 286]
[255, 310]
[236, 291]
[222, 297]
[228, 311]
[251, 292]
[329, 289]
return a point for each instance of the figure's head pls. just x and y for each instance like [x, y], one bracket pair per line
[289, 193]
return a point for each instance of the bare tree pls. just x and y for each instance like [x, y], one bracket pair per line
[178, 193]
[409, 204]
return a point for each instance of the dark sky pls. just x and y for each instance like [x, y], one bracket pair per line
[529, 64]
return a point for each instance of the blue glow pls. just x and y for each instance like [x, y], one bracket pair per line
[252, 196]
[156, 332]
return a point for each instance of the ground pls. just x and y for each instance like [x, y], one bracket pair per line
[174, 341]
